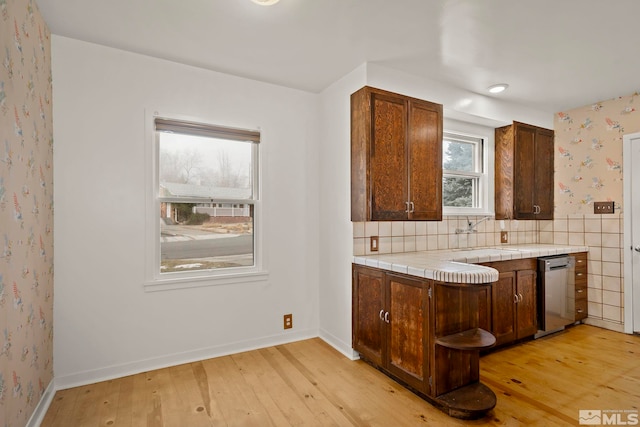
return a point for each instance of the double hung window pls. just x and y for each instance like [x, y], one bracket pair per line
[206, 184]
[463, 175]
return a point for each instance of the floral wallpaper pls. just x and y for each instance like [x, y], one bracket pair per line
[588, 158]
[26, 211]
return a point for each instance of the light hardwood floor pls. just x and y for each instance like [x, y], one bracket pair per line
[543, 382]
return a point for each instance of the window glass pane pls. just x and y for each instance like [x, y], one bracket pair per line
[205, 236]
[202, 167]
[459, 156]
[459, 192]
[206, 195]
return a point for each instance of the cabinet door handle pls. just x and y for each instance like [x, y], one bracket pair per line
[536, 209]
[408, 209]
[515, 299]
[520, 295]
[413, 207]
[381, 313]
[386, 317]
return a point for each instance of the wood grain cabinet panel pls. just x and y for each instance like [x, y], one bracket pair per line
[408, 316]
[369, 331]
[526, 312]
[390, 329]
[513, 300]
[524, 172]
[425, 334]
[504, 308]
[581, 286]
[396, 157]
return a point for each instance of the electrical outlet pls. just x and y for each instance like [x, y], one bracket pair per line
[504, 237]
[288, 321]
[373, 244]
[603, 207]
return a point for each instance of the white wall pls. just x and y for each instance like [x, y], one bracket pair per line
[336, 245]
[105, 324]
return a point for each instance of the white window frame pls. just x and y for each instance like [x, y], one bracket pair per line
[157, 281]
[486, 179]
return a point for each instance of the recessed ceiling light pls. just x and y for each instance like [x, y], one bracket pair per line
[498, 88]
[265, 2]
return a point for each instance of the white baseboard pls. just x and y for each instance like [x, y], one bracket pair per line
[338, 344]
[42, 406]
[612, 326]
[123, 370]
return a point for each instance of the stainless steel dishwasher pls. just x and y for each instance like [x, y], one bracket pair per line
[556, 293]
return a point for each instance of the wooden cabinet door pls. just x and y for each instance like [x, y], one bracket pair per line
[527, 324]
[396, 157]
[407, 351]
[543, 189]
[368, 313]
[524, 173]
[388, 172]
[503, 303]
[425, 160]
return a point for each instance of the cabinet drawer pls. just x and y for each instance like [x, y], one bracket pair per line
[581, 278]
[581, 309]
[581, 261]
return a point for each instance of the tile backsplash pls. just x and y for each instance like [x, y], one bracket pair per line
[411, 236]
[602, 234]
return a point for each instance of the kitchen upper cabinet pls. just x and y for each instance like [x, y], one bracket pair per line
[396, 157]
[524, 172]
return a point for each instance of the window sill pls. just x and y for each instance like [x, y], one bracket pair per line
[205, 281]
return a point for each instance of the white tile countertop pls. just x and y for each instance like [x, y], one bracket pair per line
[458, 265]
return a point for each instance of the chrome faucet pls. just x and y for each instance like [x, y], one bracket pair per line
[471, 227]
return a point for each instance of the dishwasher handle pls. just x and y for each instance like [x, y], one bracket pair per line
[558, 262]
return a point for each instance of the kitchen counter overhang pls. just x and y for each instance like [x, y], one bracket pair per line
[459, 265]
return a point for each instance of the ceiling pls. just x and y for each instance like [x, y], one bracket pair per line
[554, 54]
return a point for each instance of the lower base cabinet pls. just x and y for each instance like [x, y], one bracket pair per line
[513, 296]
[390, 315]
[425, 334]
